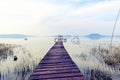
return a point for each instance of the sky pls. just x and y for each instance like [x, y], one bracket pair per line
[53, 17]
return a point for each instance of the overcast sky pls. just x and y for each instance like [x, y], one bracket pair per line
[52, 17]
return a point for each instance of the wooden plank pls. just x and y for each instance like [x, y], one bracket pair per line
[57, 65]
[63, 75]
[56, 72]
[68, 78]
[55, 69]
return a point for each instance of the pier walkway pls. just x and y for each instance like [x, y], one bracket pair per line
[57, 65]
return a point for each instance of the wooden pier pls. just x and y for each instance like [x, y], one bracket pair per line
[57, 65]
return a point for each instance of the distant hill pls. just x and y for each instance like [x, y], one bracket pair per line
[95, 36]
[14, 36]
[117, 36]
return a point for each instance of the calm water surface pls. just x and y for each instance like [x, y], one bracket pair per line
[30, 52]
[80, 53]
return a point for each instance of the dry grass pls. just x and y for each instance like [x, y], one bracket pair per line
[110, 56]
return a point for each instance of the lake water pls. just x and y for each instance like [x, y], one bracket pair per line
[30, 52]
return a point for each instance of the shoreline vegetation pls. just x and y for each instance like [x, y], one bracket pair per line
[106, 63]
[110, 57]
[15, 69]
[105, 60]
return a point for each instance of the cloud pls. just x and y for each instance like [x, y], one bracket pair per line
[23, 16]
[43, 17]
[90, 18]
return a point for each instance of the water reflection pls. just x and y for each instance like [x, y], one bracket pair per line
[89, 56]
[30, 52]
[75, 40]
[18, 59]
[12, 69]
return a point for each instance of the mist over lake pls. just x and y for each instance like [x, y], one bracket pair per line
[30, 52]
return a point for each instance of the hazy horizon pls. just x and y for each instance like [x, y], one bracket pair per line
[53, 17]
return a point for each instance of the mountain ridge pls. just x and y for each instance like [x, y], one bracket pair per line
[14, 36]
